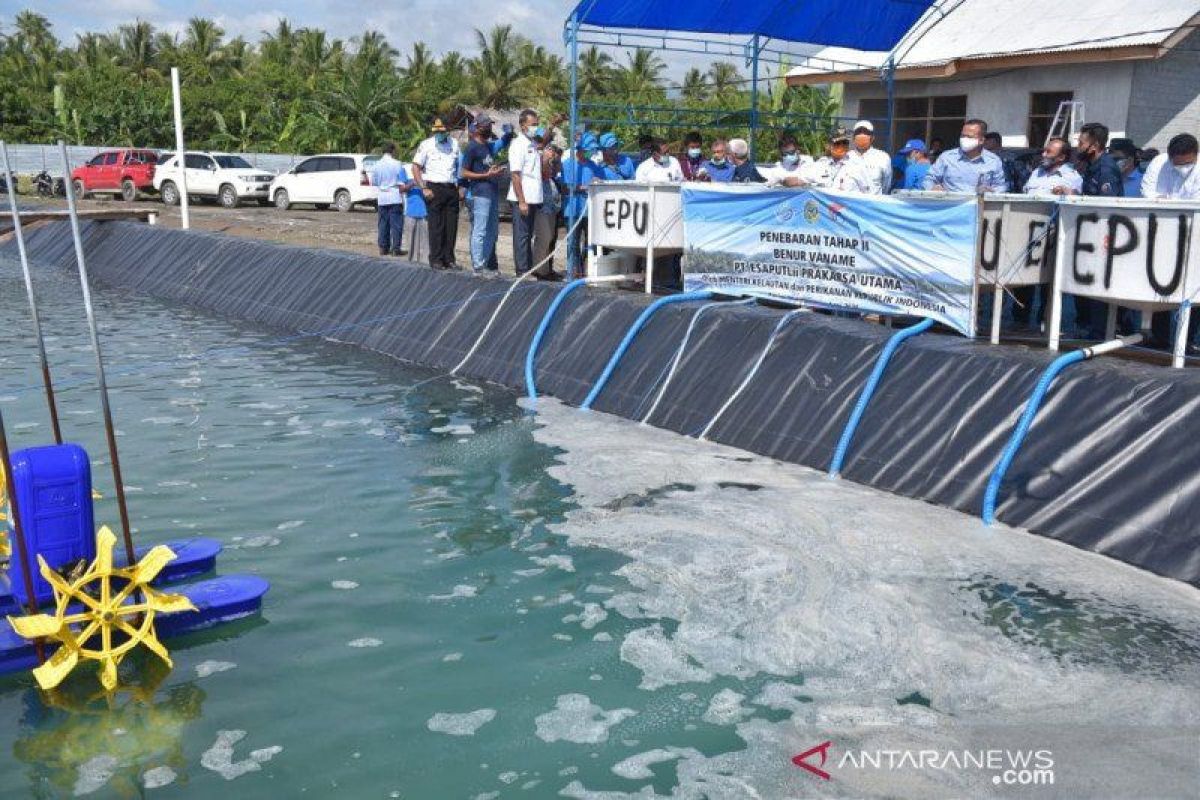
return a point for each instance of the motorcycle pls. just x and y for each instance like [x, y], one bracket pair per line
[45, 186]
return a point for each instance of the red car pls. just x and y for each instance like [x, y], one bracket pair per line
[120, 172]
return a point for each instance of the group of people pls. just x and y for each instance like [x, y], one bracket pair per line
[546, 183]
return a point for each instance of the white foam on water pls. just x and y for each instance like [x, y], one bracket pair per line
[591, 616]
[262, 540]
[529, 573]
[287, 526]
[559, 561]
[854, 598]
[461, 724]
[158, 777]
[725, 708]
[460, 590]
[452, 657]
[563, 637]
[93, 774]
[638, 767]
[219, 757]
[206, 668]
[508, 777]
[455, 430]
[345, 585]
[576, 718]
[602, 636]
[366, 641]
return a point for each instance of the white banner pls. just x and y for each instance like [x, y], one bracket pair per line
[1016, 240]
[1131, 252]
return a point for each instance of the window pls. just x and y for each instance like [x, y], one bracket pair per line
[110, 159]
[233, 162]
[142, 157]
[1042, 108]
[345, 164]
[97, 161]
[197, 161]
[308, 165]
[924, 118]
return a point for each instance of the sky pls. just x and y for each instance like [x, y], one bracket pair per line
[442, 24]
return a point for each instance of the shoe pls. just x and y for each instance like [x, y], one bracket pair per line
[383, 252]
[551, 276]
[399, 252]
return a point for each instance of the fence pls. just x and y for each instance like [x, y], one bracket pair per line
[29, 159]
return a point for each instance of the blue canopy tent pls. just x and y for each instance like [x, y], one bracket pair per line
[864, 25]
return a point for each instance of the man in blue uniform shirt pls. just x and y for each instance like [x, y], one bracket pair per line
[968, 168]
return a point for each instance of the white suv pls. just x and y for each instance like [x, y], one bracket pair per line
[337, 179]
[225, 177]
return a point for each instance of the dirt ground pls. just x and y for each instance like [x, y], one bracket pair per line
[300, 225]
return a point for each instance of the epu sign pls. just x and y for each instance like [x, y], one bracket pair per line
[628, 215]
[1138, 252]
[1016, 240]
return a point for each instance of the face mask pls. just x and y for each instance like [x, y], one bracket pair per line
[597, 157]
[967, 143]
[790, 159]
[1122, 163]
[664, 159]
[718, 162]
[913, 158]
[838, 154]
[862, 142]
[694, 152]
[1183, 170]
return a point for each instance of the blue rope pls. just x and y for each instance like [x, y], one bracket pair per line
[632, 333]
[864, 398]
[1018, 435]
[540, 334]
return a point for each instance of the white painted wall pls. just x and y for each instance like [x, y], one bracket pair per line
[1166, 96]
[1002, 98]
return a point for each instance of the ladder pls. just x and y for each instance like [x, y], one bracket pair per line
[1067, 121]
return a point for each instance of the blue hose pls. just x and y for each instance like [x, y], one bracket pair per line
[540, 334]
[1018, 435]
[864, 398]
[632, 333]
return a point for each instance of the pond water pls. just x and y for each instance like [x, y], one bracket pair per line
[473, 598]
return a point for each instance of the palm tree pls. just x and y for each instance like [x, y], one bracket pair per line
[374, 51]
[92, 50]
[138, 51]
[497, 74]
[419, 65]
[726, 82]
[276, 47]
[641, 78]
[695, 88]
[595, 72]
[363, 105]
[202, 38]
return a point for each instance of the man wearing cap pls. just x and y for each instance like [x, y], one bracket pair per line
[615, 166]
[968, 168]
[578, 173]
[838, 170]
[483, 177]
[525, 189]
[877, 165]
[435, 170]
[916, 165]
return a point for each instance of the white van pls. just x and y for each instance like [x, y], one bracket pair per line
[332, 179]
[225, 177]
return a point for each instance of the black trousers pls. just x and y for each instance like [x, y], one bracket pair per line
[522, 232]
[443, 224]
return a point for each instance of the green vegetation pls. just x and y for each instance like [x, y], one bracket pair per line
[298, 90]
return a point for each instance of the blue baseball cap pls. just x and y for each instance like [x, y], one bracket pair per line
[914, 145]
[609, 141]
[587, 142]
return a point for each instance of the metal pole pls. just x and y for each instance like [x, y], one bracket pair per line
[181, 159]
[577, 168]
[109, 430]
[19, 234]
[19, 532]
[890, 78]
[753, 94]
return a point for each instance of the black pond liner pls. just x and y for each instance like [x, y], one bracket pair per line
[1111, 465]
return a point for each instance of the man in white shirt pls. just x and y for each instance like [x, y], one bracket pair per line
[876, 164]
[389, 176]
[838, 169]
[525, 190]
[435, 171]
[793, 167]
[660, 167]
[1055, 175]
[1173, 175]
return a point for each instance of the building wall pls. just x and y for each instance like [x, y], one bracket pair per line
[1166, 96]
[1002, 98]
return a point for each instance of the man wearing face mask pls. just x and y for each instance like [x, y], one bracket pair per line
[693, 157]
[435, 171]
[1055, 175]
[614, 165]
[916, 165]
[790, 170]
[1126, 155]
[1101, 176]
[717, 168]
[1173, 175]
[876, 164]
[660, 167]
[968, 168]
[838, 170]
[525, 189]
